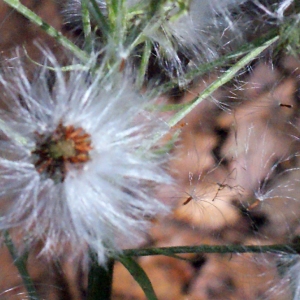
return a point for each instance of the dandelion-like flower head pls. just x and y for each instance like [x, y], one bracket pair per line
[74, 169]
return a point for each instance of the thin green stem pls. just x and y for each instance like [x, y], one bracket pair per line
[204, 68]
[202, 249]
[228, 75]
[34, 18]
[100, 18]
[86, 23]
[20, 263]
[100, 280]
[79, 67]
[144, 64]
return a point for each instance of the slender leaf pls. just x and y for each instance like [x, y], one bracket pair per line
[100, 18]
[139, 275]
[228, 75]
[144, 63]
[86, 22]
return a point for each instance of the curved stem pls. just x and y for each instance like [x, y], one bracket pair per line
[86, 23]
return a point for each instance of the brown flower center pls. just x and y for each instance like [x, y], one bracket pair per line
[67, 145]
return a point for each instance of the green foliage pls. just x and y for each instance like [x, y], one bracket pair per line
[139, 275]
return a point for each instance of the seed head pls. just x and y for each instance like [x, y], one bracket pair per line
[72, 171]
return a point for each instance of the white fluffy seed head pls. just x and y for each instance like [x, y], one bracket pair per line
[107, 202]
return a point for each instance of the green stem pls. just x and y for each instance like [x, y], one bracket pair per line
[20, 263]
[202, 249]
[222, 61]
[100, 18]
[228, 75]
[34, 18]
[100, 280]
[86, 23]
[144, 64]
